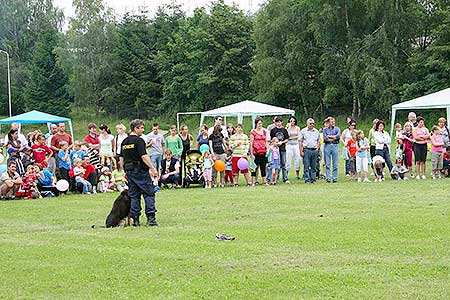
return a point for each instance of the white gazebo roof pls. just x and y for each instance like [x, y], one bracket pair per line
[248, 108]
[435, 100]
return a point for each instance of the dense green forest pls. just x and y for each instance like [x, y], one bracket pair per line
[319, 57]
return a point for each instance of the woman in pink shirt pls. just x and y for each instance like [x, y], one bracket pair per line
[421, 137]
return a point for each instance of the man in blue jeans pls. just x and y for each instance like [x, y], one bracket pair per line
[331, 136]
[137, 164]
[309, 150]
[155, 141]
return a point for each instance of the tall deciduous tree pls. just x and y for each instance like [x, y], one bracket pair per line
[207, 62]
[86, 53]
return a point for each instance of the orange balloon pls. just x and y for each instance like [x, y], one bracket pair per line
[219, 165]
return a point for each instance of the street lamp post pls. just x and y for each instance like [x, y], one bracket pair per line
[9, 82]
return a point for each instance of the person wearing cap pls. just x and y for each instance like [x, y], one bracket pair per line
[27, 157]
[14, 156]
[10, 182]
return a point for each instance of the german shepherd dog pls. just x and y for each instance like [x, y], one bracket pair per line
[120, 212]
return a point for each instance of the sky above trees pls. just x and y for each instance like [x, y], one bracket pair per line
[121, 6]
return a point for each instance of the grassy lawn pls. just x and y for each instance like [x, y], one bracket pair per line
[327, 241]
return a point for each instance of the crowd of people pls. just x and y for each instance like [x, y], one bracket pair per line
[265, 156]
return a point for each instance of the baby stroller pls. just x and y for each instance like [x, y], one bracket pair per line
[193, 168]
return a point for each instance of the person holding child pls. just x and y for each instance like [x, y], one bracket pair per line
[283, 137]
[107, 144]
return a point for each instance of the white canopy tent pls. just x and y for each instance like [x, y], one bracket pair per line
[439, 99]
[247, 109]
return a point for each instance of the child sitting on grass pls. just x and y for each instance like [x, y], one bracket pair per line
[105, 182]
[398, 171]
[78, 172]
[118, 177]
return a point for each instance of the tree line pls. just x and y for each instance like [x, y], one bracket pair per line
[319, 57]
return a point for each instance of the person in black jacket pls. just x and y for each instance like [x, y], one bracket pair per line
[170, 170]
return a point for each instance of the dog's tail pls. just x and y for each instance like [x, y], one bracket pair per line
[93, 226]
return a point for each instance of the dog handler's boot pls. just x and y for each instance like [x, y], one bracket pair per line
[135, 221]
[151, 220]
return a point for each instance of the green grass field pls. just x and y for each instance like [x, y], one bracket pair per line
[327, 241]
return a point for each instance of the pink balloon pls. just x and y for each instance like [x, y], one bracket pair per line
[62, 185]
[242, 164]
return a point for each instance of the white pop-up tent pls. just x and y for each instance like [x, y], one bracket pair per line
[439, 99]
[240, 110]
[247, 109]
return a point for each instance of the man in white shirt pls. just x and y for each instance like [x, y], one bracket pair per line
[218, 121]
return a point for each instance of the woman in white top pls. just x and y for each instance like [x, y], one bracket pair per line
[292, 146]
[382, 143]
[121, 135]
[345, 137]
[107, 144]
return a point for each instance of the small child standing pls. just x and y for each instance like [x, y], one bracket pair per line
[437, 142]
[352, 148]
[118, 177]
[408, 144]
[77, 152]
[274, 159]
[64, 160]
[228, 167]
[78, 172]
[362, 160]
[207, 168]
[398, 171]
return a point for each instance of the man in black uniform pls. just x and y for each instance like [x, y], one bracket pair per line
[136, 164]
